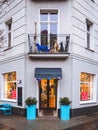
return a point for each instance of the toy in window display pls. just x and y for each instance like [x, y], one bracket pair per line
[14, 91]
[11, 92]
[10, 77]
[84, 96]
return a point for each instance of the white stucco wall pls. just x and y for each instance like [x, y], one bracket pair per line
[15, 64]
[64, 84]
[64, 15]
[72, 17]
[64, 10]
[15, 10]
[82, 10]
[82, 65]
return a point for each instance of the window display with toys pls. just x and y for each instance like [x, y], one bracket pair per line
[10, 85]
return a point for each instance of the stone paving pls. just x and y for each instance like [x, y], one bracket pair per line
[93, 125]
[21, 123]
[4, 127]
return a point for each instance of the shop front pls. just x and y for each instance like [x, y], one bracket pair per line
[48, 90]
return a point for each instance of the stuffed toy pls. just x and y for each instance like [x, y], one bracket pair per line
[42, 47]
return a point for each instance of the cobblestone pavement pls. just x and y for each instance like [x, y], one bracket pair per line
[4, 127]
[21, 123]
[93, 125]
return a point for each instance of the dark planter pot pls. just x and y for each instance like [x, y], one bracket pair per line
[31, 112]
[65, 112]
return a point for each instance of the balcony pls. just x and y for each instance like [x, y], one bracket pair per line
[49, 46]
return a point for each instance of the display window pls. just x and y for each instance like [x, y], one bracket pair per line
[87, 87]
[10, 85]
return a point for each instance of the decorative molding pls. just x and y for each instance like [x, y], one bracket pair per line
[93, 1]
[3, 1]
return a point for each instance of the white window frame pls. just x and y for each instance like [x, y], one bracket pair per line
[48, 22]
[9, 31]
[90, 43]
[3, 88]
[49, 10]
[94, 89]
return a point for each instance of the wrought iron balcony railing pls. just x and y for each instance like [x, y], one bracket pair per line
[48, 44]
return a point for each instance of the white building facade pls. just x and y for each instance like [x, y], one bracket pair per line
[49, 50]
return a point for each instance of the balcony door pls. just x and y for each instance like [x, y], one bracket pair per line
[48, 27]
[48, 95]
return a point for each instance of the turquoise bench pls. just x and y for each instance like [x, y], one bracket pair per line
[6, 108]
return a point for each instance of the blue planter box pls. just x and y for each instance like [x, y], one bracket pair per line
[65, 112]
[31, 112]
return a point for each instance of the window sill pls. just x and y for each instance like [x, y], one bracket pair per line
[9, 100]
[89, 49]
[8, 48]
[87, 102]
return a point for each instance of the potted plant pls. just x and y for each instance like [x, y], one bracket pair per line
[31, 108]
[65, 108]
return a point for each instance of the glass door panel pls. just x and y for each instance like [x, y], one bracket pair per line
[44, 98]
[48, 94]
[52, 94]
[48, 28]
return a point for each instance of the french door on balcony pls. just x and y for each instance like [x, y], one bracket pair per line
[48, 94]
[48, 27]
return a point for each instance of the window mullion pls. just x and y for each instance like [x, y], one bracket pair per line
[48, 22]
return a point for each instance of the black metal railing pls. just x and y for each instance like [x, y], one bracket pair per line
[53, 43]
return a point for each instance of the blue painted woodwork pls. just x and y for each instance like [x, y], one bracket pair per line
[6, 108]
